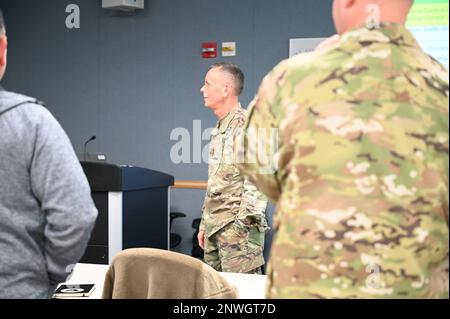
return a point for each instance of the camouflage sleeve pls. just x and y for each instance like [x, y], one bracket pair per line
[201, 227]
[261, 145]
[252, 211]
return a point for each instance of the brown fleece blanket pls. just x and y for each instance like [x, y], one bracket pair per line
[146, 273]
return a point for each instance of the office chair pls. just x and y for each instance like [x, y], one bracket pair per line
[196, 251]
[148, 273]
[175, 239]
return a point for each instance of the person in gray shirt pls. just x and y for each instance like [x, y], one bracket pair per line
[46, 209]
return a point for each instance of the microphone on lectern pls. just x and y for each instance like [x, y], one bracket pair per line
[86, 143]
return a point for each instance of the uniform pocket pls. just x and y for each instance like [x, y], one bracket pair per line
[256, 237]
[240, 231]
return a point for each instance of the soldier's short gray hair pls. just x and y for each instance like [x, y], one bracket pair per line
[235, 72]
[2, 24]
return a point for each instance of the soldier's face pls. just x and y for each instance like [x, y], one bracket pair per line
[339, 9]
[214, 89]
[3, 54]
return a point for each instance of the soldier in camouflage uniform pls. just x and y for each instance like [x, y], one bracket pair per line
[233, 220]
[361, 182]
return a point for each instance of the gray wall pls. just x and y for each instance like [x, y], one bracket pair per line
[132, 79]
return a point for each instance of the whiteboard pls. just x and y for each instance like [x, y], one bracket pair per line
[301, 45]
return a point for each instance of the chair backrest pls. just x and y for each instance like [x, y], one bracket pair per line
[175, 239]
[196, 251]
[147, 273]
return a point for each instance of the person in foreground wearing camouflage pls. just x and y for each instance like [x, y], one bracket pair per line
[233, 222]
[361, 182]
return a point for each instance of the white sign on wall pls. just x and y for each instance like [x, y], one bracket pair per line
[228, 48]
[302, 45]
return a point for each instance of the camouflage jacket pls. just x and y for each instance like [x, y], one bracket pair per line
[229, 197]
[362, 172]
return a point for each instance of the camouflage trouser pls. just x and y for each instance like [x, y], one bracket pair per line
[233, 249]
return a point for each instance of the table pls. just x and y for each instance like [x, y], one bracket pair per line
[248, 286]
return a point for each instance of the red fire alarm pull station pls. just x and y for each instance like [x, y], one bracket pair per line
[209, 50]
